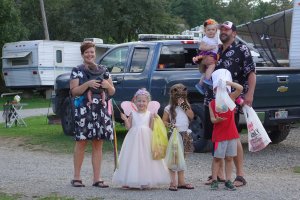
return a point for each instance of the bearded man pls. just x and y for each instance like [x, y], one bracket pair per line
[235, 57]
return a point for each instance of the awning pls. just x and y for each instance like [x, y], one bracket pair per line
[270, 35]
[277, 25]
[16, 54]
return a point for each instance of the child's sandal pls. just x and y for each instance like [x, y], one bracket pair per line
[173, 188]
[186, 186]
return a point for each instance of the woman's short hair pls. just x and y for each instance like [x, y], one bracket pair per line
[86, 45]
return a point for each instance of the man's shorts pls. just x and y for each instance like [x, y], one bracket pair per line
[226, 148]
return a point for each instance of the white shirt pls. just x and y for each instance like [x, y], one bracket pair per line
[212, 42]
[182, 120]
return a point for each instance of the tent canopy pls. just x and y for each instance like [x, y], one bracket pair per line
[270, 35]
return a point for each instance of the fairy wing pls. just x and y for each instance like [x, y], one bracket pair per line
[128, 107]
[153, 106]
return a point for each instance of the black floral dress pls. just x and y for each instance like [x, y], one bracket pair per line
[91, 122]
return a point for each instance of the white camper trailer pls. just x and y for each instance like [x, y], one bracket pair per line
[36, 64]
[295, 39]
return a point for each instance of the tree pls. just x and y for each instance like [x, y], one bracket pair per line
[267, 8]
[120, 20]
[195, 12]
[125, 19]
[11, 28]
[212, 9]
[31, 18]
[187, 10]
[239, 11]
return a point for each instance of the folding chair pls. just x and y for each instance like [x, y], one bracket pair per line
[11, 113]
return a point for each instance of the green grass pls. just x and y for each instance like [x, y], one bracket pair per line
[38, 135]
[4, 196]
[297, 169]
[55, 197]
[34, 102]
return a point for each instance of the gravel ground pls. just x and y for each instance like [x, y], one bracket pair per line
[36, 174]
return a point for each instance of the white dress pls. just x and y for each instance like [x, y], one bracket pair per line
[136, 166]
[181, 120]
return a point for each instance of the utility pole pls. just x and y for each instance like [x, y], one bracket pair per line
[46, 32]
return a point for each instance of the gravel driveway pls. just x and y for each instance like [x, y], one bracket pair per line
[35, 174]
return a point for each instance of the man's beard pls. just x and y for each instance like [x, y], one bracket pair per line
[224, 39]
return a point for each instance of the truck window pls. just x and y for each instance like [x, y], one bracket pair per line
[116, 60]
[139, 60]
[176, 56]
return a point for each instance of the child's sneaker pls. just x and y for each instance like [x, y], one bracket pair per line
[208, 82]
[214, 185]
[200, 88]
[229, 186]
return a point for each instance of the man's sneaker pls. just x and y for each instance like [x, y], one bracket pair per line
[214, 185]
[200, 88]
[229, 186]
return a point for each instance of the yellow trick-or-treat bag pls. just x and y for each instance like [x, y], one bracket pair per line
[159, 139]
[175, 152]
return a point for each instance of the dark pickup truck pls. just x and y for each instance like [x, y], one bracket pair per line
[157, 65]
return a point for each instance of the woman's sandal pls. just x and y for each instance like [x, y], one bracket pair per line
[210, 180]
[241, 180]
[77, 183]
[187, 186]
[100, 184]
[173, 188]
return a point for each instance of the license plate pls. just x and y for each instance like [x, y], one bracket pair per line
[282, 114]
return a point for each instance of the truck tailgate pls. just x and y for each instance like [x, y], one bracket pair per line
[277, 87]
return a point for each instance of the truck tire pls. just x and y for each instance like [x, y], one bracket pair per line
[67, 117]
[279, 133]
[201, 145]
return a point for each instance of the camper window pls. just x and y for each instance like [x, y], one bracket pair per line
[58, 56]
[19, 61]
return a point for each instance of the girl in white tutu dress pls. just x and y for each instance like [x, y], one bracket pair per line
[136, 168]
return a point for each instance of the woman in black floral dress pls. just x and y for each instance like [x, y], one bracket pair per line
[92, 121]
